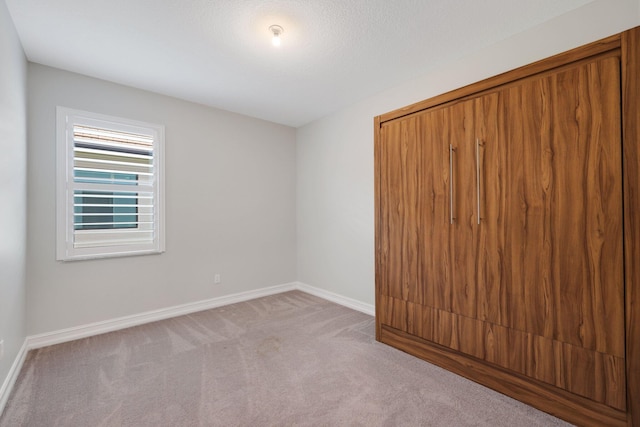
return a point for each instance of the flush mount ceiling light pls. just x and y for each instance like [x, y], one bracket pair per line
[276, 30]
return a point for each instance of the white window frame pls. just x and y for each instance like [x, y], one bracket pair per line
[66, 250]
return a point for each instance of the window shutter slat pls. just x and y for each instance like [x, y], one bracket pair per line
[113, 181]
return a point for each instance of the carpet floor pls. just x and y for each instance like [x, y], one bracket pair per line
[285, 360]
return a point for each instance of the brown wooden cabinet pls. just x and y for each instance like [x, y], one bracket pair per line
[500, 251]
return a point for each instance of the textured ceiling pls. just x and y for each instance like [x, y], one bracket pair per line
[218, 52]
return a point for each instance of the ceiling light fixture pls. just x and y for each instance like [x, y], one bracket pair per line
[276, 30]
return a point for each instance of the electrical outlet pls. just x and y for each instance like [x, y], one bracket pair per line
[216, 279]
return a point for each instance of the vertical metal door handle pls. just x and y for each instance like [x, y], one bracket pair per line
[451, 150]
[478, 176]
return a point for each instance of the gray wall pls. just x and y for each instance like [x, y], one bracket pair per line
[335, 154]
[230, 207]
[13, 186]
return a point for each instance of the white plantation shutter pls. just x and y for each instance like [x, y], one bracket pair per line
[109, 186]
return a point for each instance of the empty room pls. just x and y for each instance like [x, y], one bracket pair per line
[320, 213]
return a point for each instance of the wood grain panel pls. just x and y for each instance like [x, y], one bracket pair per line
[593, 375]
[399, 227]
[610, 382]
[554, 400]
[471, 336]
[383, 316]
[496, 344]
[408, 191]
[590, 97]
[542, 364]
[631, 135]
[526, 242]
[420, 320]
[564, 259]
[435, 251]
[394, 312]
[491, 160]
[459, 130]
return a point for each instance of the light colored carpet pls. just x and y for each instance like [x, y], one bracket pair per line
[284, 360]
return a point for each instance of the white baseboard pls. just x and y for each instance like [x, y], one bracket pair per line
[97, 328]
[338, 299]
[12, 376]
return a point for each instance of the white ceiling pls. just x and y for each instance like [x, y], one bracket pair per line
[219, 53]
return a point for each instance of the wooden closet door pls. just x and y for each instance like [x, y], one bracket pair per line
[469, 325]
[435, 251]
[562, 281]
[413, 263]
[449, 223]
[399, 226]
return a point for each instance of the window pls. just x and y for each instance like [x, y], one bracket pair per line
[109, 189]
